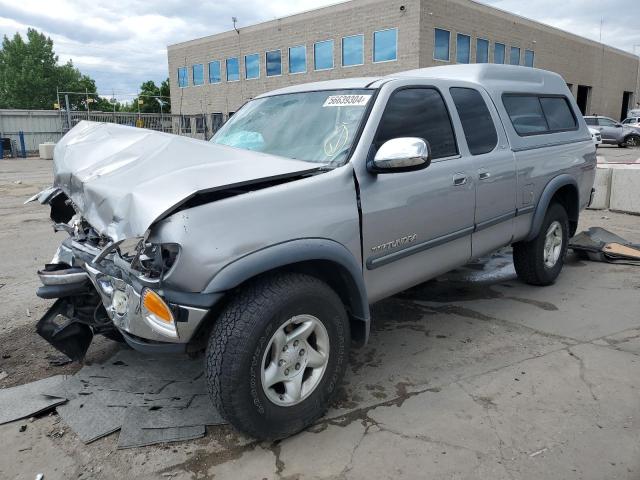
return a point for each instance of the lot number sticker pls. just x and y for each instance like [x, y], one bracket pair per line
[347, 101]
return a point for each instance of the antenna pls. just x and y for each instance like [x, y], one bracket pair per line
[235, 20]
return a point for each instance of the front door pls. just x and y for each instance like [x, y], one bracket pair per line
[416, 225]
[610, 129]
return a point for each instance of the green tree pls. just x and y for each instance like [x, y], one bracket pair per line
[151, 94]
[30, 73]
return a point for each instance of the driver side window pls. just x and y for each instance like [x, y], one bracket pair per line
[422, 113]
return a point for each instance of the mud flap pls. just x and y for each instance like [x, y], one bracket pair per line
[65, 334]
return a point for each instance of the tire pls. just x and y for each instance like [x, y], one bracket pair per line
[529, 257]
[243, 342]
[632, 141]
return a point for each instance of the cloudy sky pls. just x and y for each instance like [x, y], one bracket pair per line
[122, 43]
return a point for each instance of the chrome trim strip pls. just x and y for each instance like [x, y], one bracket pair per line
[495, 221]
[525, 210]
[373, 263]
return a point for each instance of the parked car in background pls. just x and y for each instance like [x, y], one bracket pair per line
[266, 246]
[634, 112]
[631, 122]
[614, 133]
[596, 136]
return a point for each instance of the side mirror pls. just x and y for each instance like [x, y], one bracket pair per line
[401, 155]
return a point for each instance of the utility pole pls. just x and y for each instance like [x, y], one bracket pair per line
[636, 98]
[68, 108]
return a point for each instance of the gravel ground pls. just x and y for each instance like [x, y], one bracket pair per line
[472, 375]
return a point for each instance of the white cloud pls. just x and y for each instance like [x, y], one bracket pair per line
[122, 43]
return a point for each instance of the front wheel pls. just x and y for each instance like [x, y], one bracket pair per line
[540, 261]
[277, 354]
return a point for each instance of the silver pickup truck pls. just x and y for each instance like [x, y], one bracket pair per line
[266, 245]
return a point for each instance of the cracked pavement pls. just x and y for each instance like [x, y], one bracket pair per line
[472, 375]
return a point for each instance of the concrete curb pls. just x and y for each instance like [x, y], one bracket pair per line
[617, 188]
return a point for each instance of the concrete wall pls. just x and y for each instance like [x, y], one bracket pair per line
[359, 17]
[608, 71]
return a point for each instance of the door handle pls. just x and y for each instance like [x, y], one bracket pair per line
[459, 179]
[484, 175]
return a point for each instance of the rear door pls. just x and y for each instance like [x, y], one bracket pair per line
[494, 168]
[416, 225]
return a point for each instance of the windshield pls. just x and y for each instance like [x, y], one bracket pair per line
[313, 126]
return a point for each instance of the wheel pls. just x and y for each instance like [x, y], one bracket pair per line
[632, 141]
[277, 354]
[540, 261]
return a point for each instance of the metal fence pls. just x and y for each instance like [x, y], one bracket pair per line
[41, 126]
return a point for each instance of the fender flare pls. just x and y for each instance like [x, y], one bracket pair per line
[297, 251]
[549, 191]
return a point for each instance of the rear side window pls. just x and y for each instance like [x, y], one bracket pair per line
[477, 123]
[558, 113]
[535, 115]
[422, 113]
[591, 121]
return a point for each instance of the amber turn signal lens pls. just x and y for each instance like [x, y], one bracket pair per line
[153, 303]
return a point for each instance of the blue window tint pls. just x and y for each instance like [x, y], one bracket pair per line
[183, 79]
[529, 58]
[385, 45]
[198, 74]
[252, 66]
[298, 59]
[482, 51]
[514, 58]
[274, 63]
[323, 55]
[233, 69]
[353, 50]
[214, 72]
[463, 48]
[441, 45]
[499, 53]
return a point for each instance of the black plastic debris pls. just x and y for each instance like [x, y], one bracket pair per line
[601, 245]
[69, 337]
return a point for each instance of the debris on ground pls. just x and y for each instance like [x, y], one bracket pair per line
[3, 374]
[600, 245]
[28, 400]
[149, 399]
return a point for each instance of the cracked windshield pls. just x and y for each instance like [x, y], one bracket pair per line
[316, 127]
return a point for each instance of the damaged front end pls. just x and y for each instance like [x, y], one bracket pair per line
[109, 288]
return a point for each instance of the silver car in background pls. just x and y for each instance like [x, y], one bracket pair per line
[614, 133]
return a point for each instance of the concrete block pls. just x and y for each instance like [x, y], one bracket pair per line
[625, 190]
[46, 150]
[602, 184]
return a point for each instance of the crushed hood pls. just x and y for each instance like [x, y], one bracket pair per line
[123, 179]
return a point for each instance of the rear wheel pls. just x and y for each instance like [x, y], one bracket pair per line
[540, 261]
[632, 141]
[277, 354]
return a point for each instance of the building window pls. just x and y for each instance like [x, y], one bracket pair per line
[233, 69]
[198, 74]
[514, 58]
[183, 79]
[463, 48]
[298, 59]
[274, 63]
[482, 51]
[252, 66]
[214, 72]
[323, 55]
[441, 45]
[353, 50]
[499, 53]
[217, 119]
[385, 45]
[529, 58]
